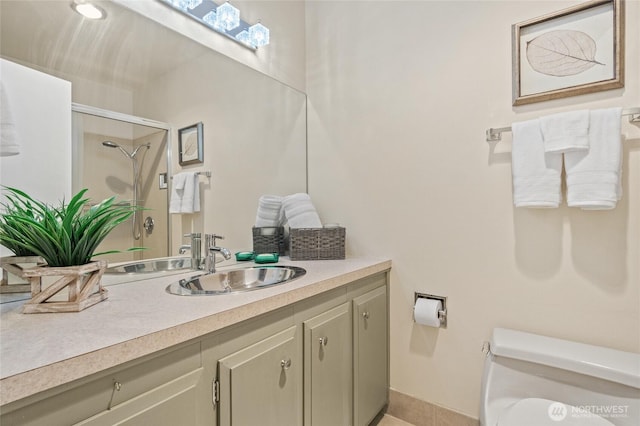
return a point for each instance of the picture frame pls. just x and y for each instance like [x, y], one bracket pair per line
[571, 52]
[190, 144]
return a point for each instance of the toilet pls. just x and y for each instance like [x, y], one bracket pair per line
[533, 380]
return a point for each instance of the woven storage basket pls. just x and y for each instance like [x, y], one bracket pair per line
[269, 239]
[316, 243]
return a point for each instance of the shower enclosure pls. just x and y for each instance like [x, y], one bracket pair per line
[126, 156]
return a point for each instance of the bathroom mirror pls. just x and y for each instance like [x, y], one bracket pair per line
[255, 126]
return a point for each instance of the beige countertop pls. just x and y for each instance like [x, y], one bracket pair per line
[41, 351]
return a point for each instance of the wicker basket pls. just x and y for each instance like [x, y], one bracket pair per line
[316, 243]
[269, 239]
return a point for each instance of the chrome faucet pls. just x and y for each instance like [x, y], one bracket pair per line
[211, 250]
[195, 248]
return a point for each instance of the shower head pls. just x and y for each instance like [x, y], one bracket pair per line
[111, 144]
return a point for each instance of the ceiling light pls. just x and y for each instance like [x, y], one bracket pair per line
[88, 10]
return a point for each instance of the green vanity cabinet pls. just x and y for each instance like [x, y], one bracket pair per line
[321, 361]
[370, 355]
[338, 376]
[327, 368]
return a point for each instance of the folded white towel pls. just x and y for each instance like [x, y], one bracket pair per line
[185, 193]
[270, 211]
[9, 144]
[300, 212]
[536, 174]
[566, 131]
[594, 177]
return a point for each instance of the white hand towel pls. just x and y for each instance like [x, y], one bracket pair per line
[185, 193]
[191, 196]
[177, 189]
[300, 212]
[270, 211]
[9, 144]
[594, 177]
[566, 131]
[536, 174]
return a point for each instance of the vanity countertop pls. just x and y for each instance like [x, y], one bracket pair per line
[41, 351]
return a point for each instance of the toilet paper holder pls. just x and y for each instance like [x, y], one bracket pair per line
[442, 314]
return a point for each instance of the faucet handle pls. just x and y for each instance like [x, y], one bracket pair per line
[192, 235]
[211, 239]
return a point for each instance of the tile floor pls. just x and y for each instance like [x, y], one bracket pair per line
[388, 420]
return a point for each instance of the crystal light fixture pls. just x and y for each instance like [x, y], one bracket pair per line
[185, 4]
[243, 36]
[211, 18]
[227, 17]
[224, 19]
[259, 35]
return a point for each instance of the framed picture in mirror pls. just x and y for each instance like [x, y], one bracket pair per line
[190, 145]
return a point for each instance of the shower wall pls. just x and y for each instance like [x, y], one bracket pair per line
[106, 172]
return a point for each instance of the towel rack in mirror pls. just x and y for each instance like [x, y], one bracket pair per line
[206, 173]
[495, 134]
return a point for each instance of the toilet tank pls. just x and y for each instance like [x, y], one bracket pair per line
[522, 365]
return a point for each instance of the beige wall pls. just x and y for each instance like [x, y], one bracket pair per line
[400, 95]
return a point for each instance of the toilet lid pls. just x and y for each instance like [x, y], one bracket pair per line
[544, 412]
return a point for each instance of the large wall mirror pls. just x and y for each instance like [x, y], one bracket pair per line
[254, 127]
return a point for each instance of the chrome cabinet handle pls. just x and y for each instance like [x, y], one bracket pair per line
[323, 341]
[285, 364]
[365, 315]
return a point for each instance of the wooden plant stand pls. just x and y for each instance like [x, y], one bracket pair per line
[17, 265]
[83, 284]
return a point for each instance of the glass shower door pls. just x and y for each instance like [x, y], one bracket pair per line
[122, 157]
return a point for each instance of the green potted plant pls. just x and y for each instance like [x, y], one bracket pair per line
[66, 238]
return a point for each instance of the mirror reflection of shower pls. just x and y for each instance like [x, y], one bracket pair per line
[98, 135]
[136, 223]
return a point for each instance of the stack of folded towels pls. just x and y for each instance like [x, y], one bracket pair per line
[296, 210]
[590, 143]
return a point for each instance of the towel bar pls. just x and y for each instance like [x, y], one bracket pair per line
[207, 174]
[495, 134]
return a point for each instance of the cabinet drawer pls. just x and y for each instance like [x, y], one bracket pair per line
[81, 400]
[173, 403]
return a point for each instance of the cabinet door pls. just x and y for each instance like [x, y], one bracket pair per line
[370, 355]
[327, 365]
[262, 384]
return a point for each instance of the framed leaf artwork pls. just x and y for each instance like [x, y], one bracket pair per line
[191, 145]
[567, 53]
